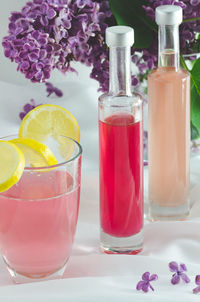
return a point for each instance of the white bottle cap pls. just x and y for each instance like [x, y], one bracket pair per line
[119, 36]
[169, 15]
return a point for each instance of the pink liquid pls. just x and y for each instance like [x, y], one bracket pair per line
[169, 137]
[37, 229]
[121, 176]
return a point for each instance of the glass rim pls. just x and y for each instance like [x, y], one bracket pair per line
[79, 153]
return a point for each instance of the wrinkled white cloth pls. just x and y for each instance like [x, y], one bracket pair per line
[91, 275]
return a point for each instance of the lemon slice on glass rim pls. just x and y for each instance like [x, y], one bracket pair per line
[36, 154]
[12, 164]
[51, 122]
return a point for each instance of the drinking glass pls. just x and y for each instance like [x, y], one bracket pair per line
[38, 216]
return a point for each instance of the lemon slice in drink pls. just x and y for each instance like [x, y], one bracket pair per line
[12, 164]
[51, 121]
[36, 154]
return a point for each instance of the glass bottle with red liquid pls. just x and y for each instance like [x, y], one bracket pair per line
[121, 151]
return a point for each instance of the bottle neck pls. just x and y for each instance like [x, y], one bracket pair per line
[168, 37]
[120, 71]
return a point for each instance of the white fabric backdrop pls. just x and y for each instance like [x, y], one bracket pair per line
[90, 275]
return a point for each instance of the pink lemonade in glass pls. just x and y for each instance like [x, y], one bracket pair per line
[121, 187]
[38, 218]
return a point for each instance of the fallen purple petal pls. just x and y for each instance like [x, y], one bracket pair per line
[153, 277]
[27, 107]
[139, 285]
[178, 272]
[145, 287]
[175, 279]
[58, 92]
[173, 266]
[145, 284]
[183, 267]
[197, 280]
[145, 276]
[52, 89]
[185, 278]
[22, 115]
[196, 290]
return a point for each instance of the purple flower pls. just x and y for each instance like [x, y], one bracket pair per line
[194, 2]
[59, 3]
[52, 89]
[64, 18]
[134, 80]
[49, 34]
[48, 13]
[178, 273]
[196, 290]
[59, 32]
[145, 284]
[28, 107]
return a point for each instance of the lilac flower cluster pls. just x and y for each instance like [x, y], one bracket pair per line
[50, 34]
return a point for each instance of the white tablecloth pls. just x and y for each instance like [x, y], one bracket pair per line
[91, 275]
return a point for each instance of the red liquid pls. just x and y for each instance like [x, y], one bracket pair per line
[121, 175]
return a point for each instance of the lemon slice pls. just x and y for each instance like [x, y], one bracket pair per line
[51, 121]
[12, 164]
[36, 154]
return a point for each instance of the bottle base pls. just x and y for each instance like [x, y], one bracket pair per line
[121, 245]
[157, 212]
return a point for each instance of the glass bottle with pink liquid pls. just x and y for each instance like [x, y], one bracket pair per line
[169, 124]
[121, 151]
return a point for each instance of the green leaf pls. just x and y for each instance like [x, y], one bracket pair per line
[196, 70]
[195, 107]
[131, 13]
[195, 96]
[194, 132]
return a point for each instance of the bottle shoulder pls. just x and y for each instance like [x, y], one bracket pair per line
[109, 100]
[168, 74]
